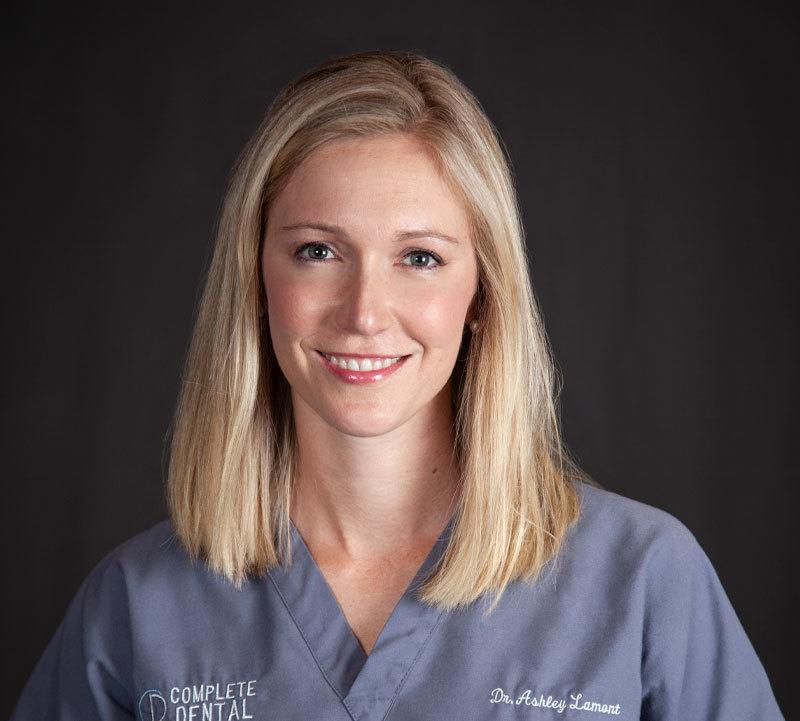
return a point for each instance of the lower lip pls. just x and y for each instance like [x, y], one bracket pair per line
[362, 376]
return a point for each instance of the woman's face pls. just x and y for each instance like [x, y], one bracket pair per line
[352, 265]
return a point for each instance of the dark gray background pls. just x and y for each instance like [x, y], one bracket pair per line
[654, 146]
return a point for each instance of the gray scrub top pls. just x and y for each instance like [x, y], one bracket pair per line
[631, 622]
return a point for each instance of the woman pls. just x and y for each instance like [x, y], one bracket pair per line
[373, 515]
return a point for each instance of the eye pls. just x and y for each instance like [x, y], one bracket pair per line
[420, 253]
[317, 250]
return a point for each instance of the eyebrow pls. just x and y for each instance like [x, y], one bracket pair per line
[402, 235]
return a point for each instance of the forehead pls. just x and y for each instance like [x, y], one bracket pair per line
[369, 183]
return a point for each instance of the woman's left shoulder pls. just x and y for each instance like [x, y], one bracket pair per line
[621, 528]
[697, 660]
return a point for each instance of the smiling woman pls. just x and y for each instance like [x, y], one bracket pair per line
[372, 513]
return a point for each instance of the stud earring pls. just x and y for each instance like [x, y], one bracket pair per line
[474, 325]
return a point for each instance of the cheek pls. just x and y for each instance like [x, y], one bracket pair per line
[440, 318]
[291, 308]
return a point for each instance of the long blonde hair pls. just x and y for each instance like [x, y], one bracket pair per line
[233, 451]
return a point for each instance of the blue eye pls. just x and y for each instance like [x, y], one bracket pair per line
[315, 246]
[421, 254]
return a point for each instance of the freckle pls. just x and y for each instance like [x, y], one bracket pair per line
[435, 469]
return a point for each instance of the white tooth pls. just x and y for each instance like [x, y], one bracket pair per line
[366, 364]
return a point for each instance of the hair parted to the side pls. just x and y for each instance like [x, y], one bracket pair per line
[233, 451]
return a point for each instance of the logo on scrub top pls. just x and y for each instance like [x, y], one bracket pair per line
[152, 706]
[212, 701]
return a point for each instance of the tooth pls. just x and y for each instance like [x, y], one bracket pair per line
[363, 365]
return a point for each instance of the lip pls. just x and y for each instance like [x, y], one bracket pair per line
[361, 377]
[356, 355]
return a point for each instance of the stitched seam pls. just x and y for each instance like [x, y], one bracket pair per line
[310, 649]
[411, 666]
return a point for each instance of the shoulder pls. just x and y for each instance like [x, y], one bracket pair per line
[153, 546]
[628, 558]
[153, 558]
[607, 511]
[646, 566]
[626, 537]
[150, 585]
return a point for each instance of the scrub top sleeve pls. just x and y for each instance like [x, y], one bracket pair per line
[82, 673]
[697, 661]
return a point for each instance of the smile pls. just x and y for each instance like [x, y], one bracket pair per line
[361, 370]
[361, 364]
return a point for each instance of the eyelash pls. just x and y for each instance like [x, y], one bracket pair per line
[417, 251]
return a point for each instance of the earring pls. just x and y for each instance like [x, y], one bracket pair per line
[474, 325]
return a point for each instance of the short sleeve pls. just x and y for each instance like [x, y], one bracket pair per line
[84, 672]
[697, 661]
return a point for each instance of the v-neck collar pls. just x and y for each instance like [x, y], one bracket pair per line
[366, 684]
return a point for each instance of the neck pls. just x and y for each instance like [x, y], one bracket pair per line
[362, 498]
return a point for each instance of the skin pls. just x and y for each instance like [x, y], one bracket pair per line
[376, 481]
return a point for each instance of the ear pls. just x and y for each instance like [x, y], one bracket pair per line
[472, 309]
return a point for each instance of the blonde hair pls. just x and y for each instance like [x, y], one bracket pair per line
[233, 451]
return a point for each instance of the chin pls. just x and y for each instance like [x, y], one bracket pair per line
[364, 424]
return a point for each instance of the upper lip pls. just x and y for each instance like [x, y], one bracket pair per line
[359, 355]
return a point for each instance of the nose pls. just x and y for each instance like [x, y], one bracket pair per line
[365, 306]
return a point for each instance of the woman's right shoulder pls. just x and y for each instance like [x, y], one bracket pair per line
[149, 562]
[154, 546]
[118, 607]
